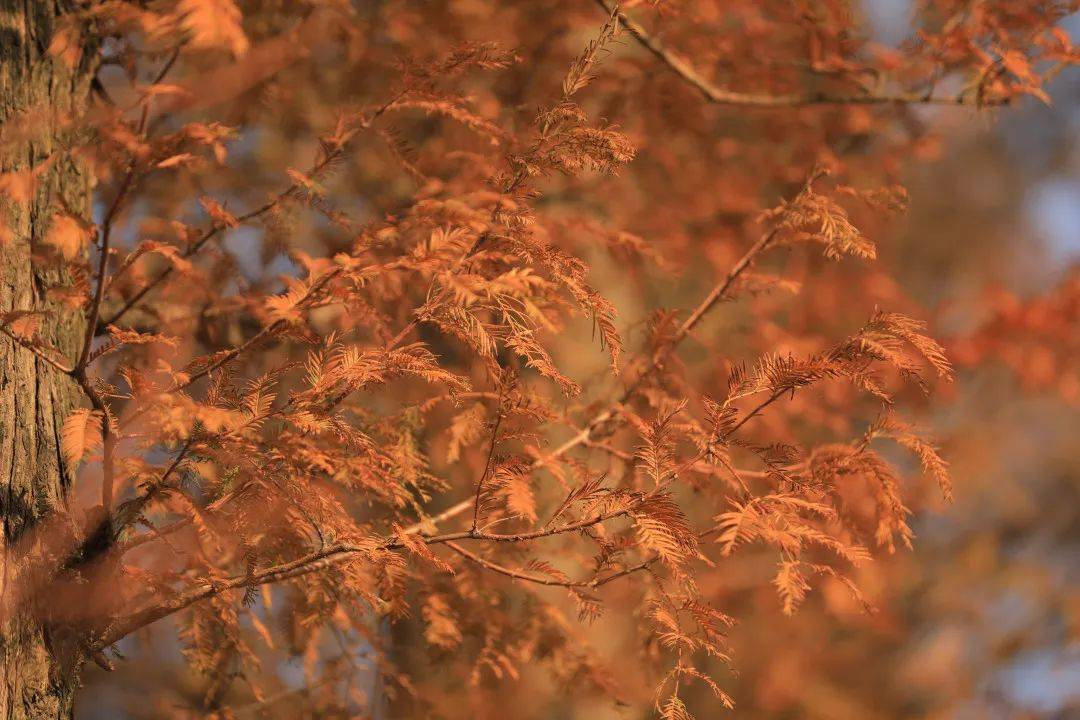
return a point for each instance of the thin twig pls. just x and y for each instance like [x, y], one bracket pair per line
[94, 312]
[487, 464]
[108, 438]
[103, 265]
[36, 350]
[510, 572]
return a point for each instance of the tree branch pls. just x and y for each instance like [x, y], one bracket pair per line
[108, 442]
[325, 557]
[38, 351]
[515, 574]
[720, 96]
[93, 315]
[487, 465]
[103, 266]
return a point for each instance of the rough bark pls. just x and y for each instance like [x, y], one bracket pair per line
[38, 666]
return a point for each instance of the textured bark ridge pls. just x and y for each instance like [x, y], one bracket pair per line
[39, 675]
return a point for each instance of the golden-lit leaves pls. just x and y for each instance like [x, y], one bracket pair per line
[23, 324]
[19, 187]
[793, 525]
[307, 184]
[352, 368]
[120, 337]
[662, 528]
[860, 470]
[791, 585]
[415, 544]
[457, 110]
[685, 627]
[80, 434]
[770, 518]
[442, 628]
[691, 673]
[817, 218]
[213, 25]
[174, 415]
[928, 456]
[176, 161]
[579, 149]
[580, 73]
[218, 213]
[210, 135]
[911, 330]
[885, 339]
[511, 479]
[133, 337]
[674, 709]
[466, 428]
[288, 306]
[67, 43]
[777, 374]
[68, 235]
[518, 299]
[170, 252]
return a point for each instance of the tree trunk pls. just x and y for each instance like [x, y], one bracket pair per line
[39, 673]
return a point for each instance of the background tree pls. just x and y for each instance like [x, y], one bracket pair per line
[347, 323]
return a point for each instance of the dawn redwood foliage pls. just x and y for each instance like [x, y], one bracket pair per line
[434, 332]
